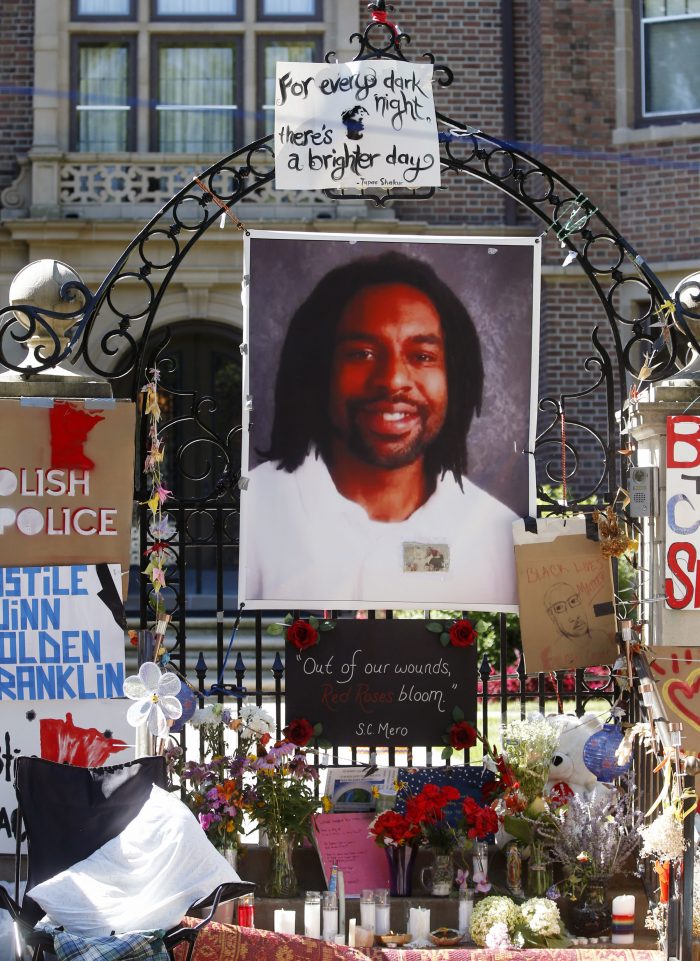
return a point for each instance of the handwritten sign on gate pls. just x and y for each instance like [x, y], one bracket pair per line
[61, 633]
[683, 513]
[360, 124]
[374, 683]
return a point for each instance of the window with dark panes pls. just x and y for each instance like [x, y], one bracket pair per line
[670, 39]
[196, 97]
[102, 110]
[270, 50]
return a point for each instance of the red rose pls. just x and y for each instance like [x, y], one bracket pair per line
[299, 731]
[302, 635]
[462, 735]
[462, 634]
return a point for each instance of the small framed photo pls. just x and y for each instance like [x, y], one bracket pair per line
[356, 789]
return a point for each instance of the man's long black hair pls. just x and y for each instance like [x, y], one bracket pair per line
[301, 419]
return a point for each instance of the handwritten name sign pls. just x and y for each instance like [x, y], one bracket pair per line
[360, 124]
[377, 683]
[683, 513]
[61, 637]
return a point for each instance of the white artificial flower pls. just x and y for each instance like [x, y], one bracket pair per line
[542, 917]
[663, 838]
[256, 720]
[205, 715]
[153, 691]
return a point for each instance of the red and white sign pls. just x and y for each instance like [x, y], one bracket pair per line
[683, 513]
[66, 482]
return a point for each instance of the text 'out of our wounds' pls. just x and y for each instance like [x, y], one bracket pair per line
[32, 484]
[683, 513]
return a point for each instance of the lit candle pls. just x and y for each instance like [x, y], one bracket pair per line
[330, 916]
[285, 921]
[351, 932]
[623, 919]
[367, 910]
[312, 914]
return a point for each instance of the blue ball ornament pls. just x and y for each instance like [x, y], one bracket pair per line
[187, 697]
[599, 753]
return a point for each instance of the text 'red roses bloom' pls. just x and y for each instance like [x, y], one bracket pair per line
[302, 635]
[480, 821]
[462, 634]
[462, 735]
[299, 731]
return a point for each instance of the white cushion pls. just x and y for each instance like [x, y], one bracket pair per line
[142, 880]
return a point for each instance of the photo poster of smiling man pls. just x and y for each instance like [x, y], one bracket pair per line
[389, 392]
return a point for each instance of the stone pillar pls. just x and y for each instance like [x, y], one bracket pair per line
[647, 425]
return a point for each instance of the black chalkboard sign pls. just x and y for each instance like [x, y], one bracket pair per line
[380, 683]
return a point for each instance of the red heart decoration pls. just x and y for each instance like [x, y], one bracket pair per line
[688, 689]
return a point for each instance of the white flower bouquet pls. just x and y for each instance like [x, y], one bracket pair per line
[489, 912]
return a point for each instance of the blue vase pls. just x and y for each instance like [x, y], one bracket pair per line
[400, 860]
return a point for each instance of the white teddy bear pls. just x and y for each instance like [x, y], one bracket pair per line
[567, 773]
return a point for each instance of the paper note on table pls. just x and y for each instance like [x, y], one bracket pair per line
[343, 839]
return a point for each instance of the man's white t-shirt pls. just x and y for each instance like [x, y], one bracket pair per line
[303, 544]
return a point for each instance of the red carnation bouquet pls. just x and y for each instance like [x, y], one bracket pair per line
[423, 822]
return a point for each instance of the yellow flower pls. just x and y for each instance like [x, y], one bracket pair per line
[327, 804]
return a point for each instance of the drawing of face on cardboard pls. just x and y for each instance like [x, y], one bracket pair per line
[563, 604]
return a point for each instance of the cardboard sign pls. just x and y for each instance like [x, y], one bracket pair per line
[61, 633]
[376, 683]
[676, 671]
[682, 513]
[362, 124]
[84, 733]
[66, 482]
[565, 590]
[344, 839]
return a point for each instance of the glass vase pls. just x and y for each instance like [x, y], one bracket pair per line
[400, 859]
[281, 880]
[437, 877]
[540, 872]
[590, 915]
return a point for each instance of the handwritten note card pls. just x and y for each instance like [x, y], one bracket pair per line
[343, 839]
[359, 124]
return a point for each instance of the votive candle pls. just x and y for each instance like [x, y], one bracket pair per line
[330, 916]
[623, 919]
[382, 911]
[367, 910]
[285, 921]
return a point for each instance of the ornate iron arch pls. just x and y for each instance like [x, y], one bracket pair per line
[114, 342]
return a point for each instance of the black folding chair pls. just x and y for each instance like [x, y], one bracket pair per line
[66, 813]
